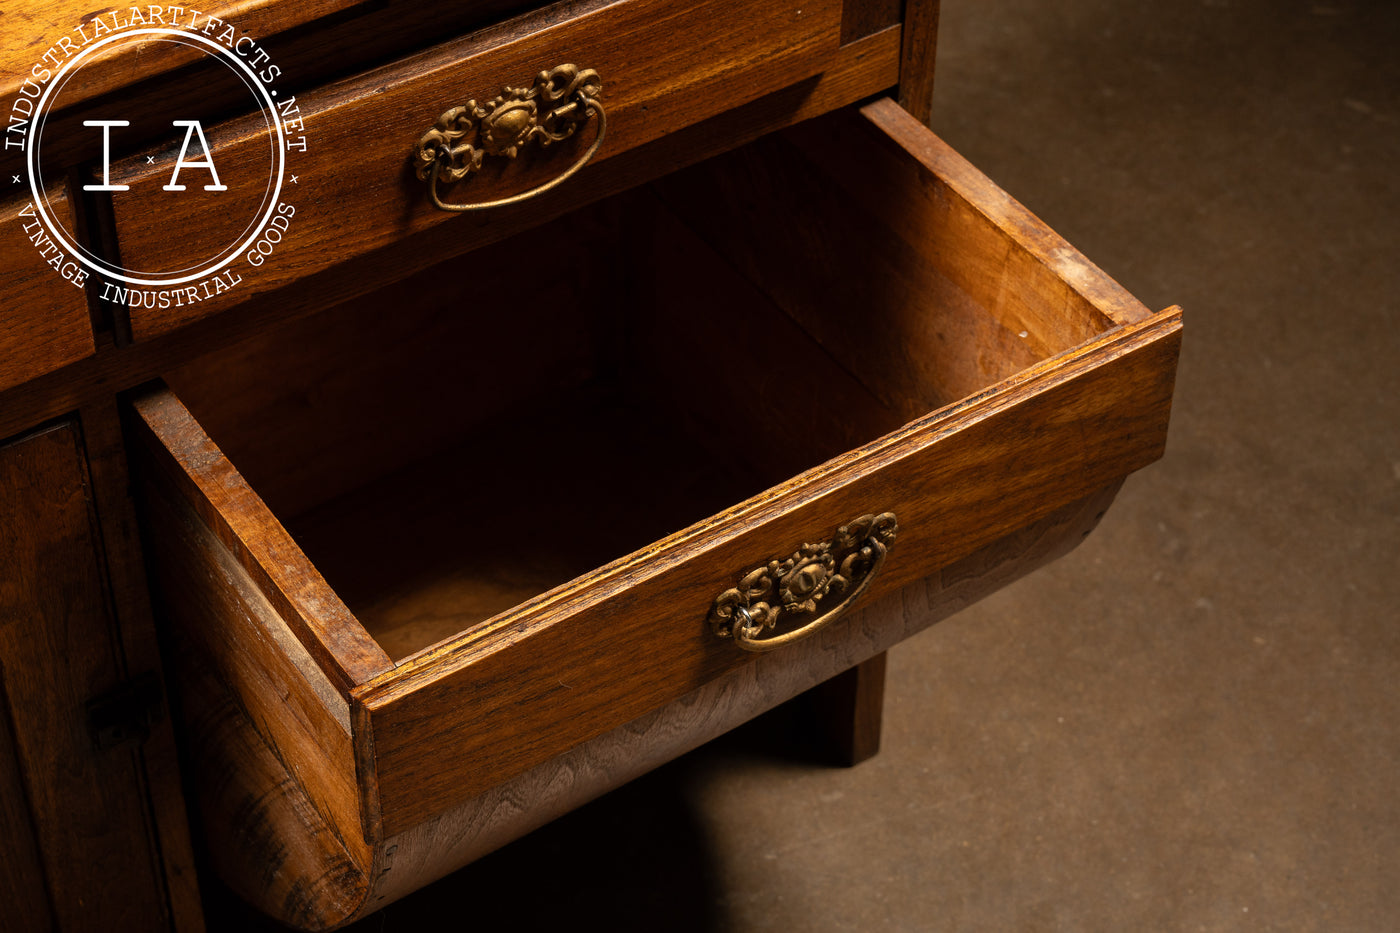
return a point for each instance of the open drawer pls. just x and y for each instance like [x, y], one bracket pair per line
[446, 560]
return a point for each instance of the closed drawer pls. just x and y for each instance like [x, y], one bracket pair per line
[422, 546]
[44, 321]
[341, 156]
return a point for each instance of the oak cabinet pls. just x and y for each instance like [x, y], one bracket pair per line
[428, 574]
[82, 842]
[453, 521]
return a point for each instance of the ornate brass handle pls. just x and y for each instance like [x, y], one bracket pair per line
[560, 101]
[798, 585]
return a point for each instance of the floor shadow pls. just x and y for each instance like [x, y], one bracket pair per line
[636, 859]
[633, 860]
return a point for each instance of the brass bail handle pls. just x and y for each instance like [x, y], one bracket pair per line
[802, 584]
[560, 101]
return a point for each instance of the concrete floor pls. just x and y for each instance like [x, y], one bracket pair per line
[1193, 721]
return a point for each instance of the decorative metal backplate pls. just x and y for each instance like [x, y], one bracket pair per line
[828, 576]
[551, 110]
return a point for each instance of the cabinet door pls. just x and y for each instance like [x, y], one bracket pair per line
[75, 830]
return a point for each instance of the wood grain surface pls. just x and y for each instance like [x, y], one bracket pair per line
[966, 287]
[861, 18]
[858, 70]
[916, 58]
[111, 493]
[44, 321]
[414, 360]
[26, 897]
[958, 479]
[480, 825]
[554, 669]
[266, 732]
[309, 49]
[664, 66]
[551, 672]
[252, 805]
[177, 449]
[58, 652]
[30, 29]
[286, 691]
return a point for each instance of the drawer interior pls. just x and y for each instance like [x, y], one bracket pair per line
[481, 432]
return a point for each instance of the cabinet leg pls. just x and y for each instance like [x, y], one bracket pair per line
[850, 706]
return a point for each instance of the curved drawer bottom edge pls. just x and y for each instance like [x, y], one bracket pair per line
[296, 866]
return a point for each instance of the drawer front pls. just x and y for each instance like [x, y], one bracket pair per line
[1033, 430]
[44, 320]
[586, 660]
[662, 66]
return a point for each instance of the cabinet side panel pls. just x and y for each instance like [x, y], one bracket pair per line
[57, 651]
[22, 883]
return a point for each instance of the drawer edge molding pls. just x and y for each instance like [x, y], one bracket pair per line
[759, 510]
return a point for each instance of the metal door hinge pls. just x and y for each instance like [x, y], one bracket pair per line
[126, 713]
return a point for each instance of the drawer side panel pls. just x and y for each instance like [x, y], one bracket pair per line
[267, 734]
[195, 471]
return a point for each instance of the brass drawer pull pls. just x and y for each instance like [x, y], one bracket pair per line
[560, 101]
[843, 566]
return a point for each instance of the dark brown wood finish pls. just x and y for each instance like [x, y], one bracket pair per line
[664, 66]
[58, 651]
[242, 762]
[25, 896]
[30, 31]
[414, 511]
[861, 18]
[551, 670]
[1085, 406]
[420, 362]
[859, 70]
[309, 48]
[957, 480]
[233, 643]
[478, 826]
[849, 709]
[44, 322]
[916, 58]
[193, 465]
[126, 576]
